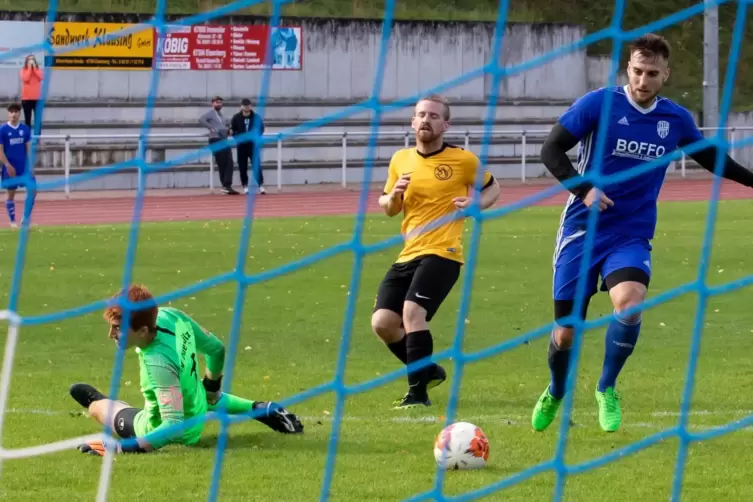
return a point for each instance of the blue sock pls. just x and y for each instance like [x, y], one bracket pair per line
[559, 361]
[622, 335]
[10, 207]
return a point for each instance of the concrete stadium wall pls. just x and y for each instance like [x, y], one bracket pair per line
[340, 60]
[598, 69]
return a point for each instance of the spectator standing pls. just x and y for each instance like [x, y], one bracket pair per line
[219, 129]
[31, 90]
[243, 122]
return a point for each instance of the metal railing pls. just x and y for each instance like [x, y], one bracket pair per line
[281, 137]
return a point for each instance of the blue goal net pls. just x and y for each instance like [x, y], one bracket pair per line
[360, 250]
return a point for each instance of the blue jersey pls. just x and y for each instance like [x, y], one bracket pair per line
[635, 135]
[14, 140]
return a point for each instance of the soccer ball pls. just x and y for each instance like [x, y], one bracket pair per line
[461, 446]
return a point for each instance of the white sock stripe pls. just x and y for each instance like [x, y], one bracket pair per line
[628, 321]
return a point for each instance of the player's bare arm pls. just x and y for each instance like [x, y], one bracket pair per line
[555, 159]
[392, 202]
[4, 160]
[488, 196]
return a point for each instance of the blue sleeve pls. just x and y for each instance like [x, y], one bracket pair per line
[27, 135]
[690, 132]
[583, 116]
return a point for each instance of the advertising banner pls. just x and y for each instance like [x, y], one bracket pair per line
[19, 34]
[131, 51]
[229, 47]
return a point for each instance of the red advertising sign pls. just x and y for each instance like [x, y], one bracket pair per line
[229, 47]
[174, 49]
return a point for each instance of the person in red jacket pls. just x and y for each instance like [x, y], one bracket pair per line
[31, 89]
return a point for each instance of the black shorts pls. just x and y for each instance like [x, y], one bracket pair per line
[124, 422]
[426, 280]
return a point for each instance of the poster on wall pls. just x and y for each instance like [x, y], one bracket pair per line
[17, 35]
[286, 48]
[130, 51]
[229, 47]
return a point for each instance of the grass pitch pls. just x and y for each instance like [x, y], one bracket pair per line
[289, 341]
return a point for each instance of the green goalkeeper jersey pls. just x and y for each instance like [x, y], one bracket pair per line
[171, 379]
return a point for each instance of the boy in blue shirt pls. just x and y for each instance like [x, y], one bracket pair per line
[15, 152]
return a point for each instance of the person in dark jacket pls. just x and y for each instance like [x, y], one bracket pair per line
[243, 122]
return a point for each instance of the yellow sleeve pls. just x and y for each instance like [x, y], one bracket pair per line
[487, 179]
[391, 175]
[472, 166]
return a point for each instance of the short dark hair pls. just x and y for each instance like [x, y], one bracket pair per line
[651, 45]
[14, 107]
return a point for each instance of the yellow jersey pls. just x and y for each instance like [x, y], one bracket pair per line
[436, 179]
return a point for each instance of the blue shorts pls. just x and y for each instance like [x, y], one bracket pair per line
[611, 252]
[15, 186]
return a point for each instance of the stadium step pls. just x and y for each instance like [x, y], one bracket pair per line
[271, 165]
[177, 130]
[288, 110]
[324, 150]
[293, 173]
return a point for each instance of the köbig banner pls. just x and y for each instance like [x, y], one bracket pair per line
[229, 47]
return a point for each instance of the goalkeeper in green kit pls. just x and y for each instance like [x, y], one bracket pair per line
[169, 343]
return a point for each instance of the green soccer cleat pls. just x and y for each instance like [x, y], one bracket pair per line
[545, 411]
[610, 415]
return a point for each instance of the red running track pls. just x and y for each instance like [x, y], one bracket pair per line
[109, 209]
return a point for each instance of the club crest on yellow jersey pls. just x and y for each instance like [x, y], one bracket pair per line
[443, 172]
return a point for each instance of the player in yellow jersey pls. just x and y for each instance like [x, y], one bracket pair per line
[425, 183]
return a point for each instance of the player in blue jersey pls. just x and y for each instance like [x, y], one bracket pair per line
[642, 126]
[15, 147]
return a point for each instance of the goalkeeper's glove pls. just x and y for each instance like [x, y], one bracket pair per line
[212, 387]
[98, 447]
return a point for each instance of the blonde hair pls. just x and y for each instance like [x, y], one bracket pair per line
[436, 98]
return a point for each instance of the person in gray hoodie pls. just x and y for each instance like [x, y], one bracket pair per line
[218, 127]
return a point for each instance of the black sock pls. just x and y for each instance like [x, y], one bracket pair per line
[419, 345]
[400, 349]
[85, 394]
[559, 360]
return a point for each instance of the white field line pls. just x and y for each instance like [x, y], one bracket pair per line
[499, 417]
[515, 421]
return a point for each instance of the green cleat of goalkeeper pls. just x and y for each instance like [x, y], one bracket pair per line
[169, 343]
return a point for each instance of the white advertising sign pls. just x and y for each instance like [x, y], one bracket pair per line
[19, 34]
